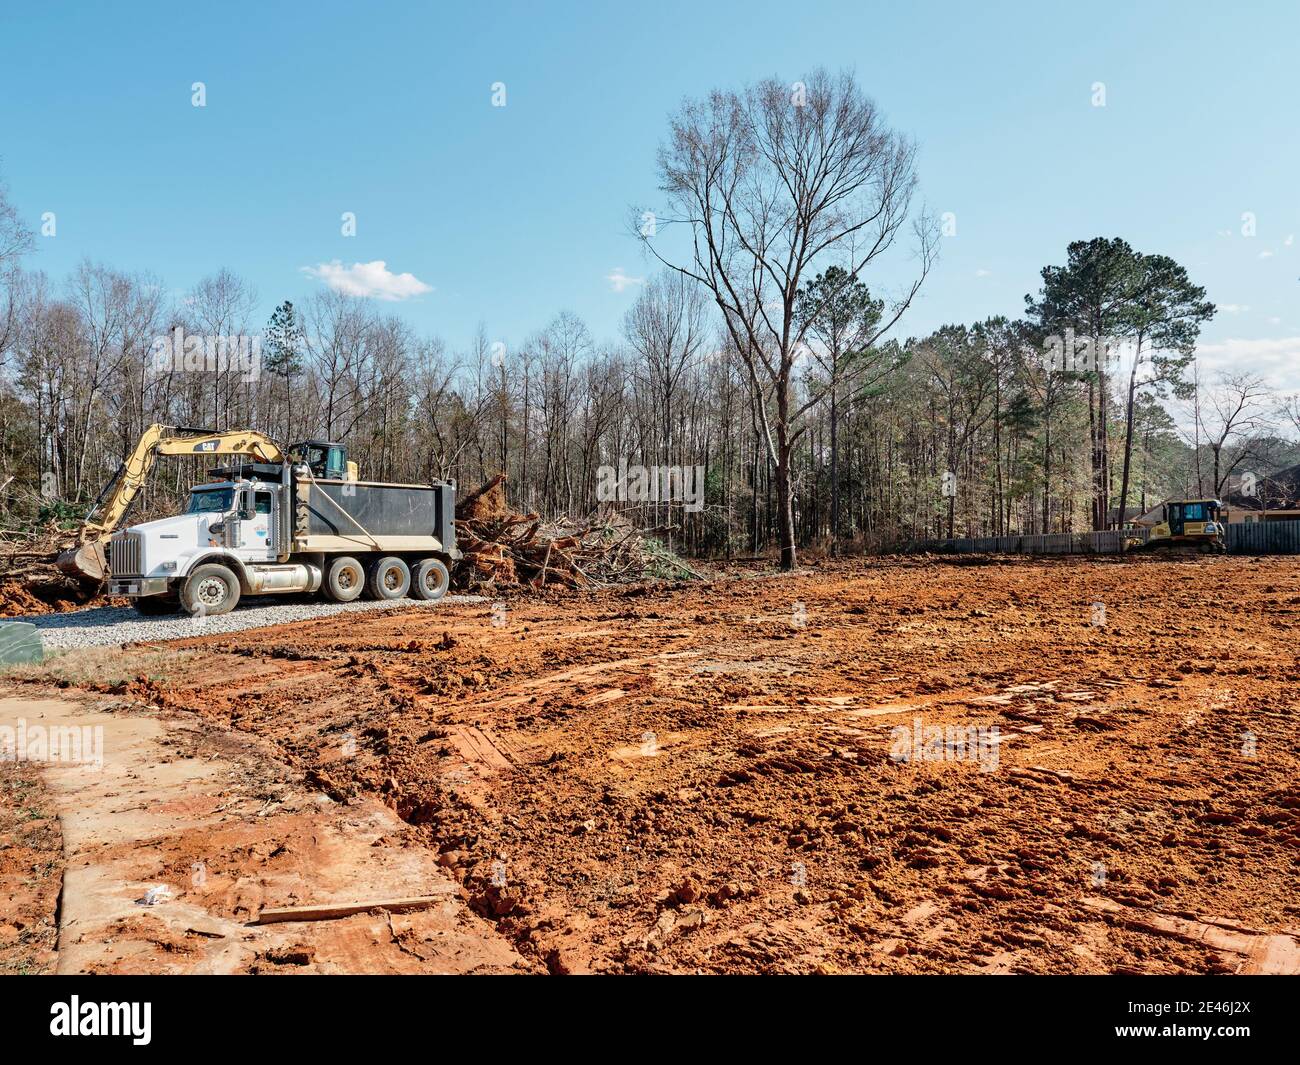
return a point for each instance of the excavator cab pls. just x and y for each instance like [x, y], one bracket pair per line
[326, 459]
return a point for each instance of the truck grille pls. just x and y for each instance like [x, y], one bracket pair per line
[124, 556]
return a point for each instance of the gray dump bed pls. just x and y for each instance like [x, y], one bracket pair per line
[390, 512]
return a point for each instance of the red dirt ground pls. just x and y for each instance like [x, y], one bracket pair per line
[699, 777]
[20, 599]
[31, 860]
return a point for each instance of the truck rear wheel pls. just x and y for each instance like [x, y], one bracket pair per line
[389, 579]
[345, 578]
[209, 590]
[430, 579]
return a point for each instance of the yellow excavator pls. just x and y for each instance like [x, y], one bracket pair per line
[87, 558]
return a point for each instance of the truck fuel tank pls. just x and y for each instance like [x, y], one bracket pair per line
[295, 577]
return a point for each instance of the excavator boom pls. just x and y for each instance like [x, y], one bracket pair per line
[86, 559]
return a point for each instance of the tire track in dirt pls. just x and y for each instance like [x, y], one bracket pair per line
[699, 778]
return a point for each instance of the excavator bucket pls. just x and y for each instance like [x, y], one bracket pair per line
[88, 562]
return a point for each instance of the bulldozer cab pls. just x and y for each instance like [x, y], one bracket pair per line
[1191, 512]
[326, 459]
[1188, 525]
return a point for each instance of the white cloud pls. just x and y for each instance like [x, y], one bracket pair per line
[368, 280]
[619, 281]
[981, 272]
[1266, 255]
[1234, 308]
[1275, 321]
[1224, 232]
[1277, 360]
[1290, 239]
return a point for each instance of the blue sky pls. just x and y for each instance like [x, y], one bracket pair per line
[513, 214]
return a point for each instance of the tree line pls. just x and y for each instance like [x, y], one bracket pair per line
[761, 352]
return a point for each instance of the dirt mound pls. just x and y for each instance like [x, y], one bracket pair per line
[487, 503]
[19, 598]
[30, 581]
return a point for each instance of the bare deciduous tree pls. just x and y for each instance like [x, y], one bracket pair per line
[667, 327]
[770, 183]
[1238, 409]
[15, 242]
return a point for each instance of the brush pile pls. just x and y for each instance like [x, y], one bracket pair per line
[504, 549]
[30, 582]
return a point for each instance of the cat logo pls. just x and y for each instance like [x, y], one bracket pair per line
[207, 445]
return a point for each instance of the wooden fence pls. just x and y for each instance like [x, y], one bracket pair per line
[1248, 538]
[1264, 538]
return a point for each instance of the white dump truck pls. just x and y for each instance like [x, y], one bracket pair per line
[303, 524]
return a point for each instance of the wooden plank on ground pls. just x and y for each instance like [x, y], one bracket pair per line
[333, 911]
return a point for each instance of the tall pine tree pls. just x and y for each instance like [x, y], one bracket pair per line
[284, 344]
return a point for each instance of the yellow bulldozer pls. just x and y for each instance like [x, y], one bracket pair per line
[1188, 525]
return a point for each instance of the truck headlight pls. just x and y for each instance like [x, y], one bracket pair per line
[168, 567]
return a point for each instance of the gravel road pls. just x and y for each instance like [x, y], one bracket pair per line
[109, 626]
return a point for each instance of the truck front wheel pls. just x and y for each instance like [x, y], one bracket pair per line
[344, 579]
[389, 579]
[430, 579]
[211, 589]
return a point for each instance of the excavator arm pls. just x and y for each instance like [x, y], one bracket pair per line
[87, 558]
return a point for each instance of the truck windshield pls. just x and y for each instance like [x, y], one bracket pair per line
[212, 501]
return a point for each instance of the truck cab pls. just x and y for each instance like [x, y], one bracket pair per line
[234, 519]
[249, 511]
